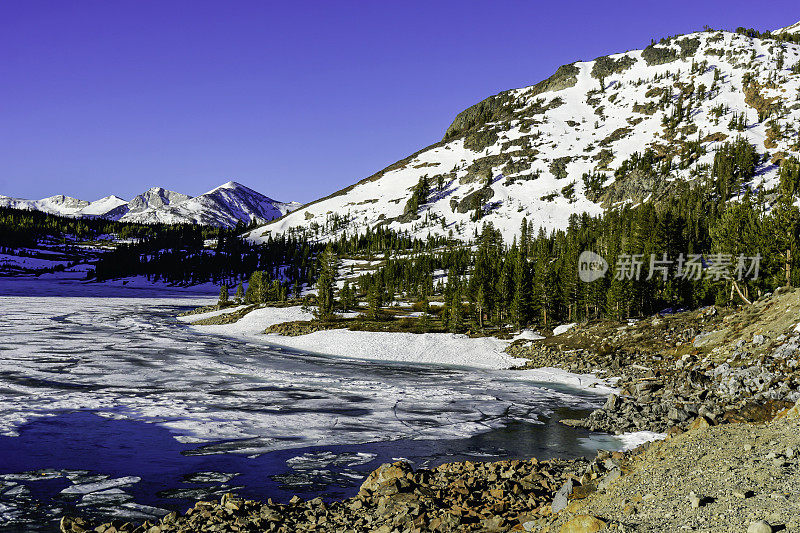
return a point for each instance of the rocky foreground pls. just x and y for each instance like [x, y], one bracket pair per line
[452, 497]
[731, 477]
[723, 385]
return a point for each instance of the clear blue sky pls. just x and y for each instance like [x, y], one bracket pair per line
[295, 99]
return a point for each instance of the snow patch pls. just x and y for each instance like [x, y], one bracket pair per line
[563, 328]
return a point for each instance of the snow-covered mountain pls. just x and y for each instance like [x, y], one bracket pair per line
[794, 28]
[223, 206]
[65, 205]
[566, 144]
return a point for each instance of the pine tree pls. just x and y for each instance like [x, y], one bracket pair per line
[456, 322]
[783, 228]
[276, 291]
[262, 287]
[297, 288]
[253, 295]
[520, 305]
[426, 309]
[239, 296]
[325, 283]
[347, 297]
[223, 295]
[524, 238]
[376, 298]
[480, 304]
[789, 177]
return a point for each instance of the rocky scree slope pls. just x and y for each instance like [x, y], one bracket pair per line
[716, 365]
[565, 144]
[735, 477]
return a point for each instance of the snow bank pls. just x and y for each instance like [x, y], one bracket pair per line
[436, 348]
[430, 348]
[416, 348]
[632, 440]
[563, 328]
[623, 442]
[253, 324]
[527, 334]
[209, 314]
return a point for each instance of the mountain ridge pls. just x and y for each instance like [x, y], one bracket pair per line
[570, 144]
[224, 206]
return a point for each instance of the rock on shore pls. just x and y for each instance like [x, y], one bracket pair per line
[468, 496]
[714, 365]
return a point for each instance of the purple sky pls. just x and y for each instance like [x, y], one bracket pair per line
[293, 99]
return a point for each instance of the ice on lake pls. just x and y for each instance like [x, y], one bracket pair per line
[320, 423]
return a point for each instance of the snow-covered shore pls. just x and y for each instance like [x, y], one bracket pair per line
[485, 353]
[430, 348]
[415, 348]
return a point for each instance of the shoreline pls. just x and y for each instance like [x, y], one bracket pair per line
[446, 349]
[417, 348]
[422, 500]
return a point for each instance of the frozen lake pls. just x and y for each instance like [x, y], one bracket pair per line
[109, 405]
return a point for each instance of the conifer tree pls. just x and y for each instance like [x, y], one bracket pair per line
[456, 322]
[783, 226]
[520, 305]
[347, 297]
[325, 283]
[375, 297]
[253, 293]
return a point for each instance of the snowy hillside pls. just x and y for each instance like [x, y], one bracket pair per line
[794, 28]
[566, 145]
[226, 205]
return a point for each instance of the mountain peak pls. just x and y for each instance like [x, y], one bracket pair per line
[230, 185]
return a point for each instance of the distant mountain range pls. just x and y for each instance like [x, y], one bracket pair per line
[224, 206]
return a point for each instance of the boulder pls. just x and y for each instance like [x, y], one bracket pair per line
[385, 474]
[69, 524]
[790, 414]
[759, 526]
[699, 423]
[583, 524]
[561, 498]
